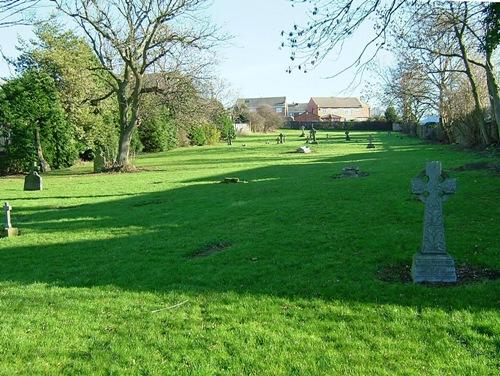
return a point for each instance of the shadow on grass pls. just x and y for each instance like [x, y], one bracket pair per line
[293, 232]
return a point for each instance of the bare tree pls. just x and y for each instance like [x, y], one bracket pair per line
[474, 27]
[333, 23]
[14, 12]
[134, 38]
[460, 25]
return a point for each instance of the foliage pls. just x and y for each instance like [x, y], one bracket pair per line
[72, 64]
[225, 125]
[156, 134]
[111, 260]
[157, 129]
[241, 114]
[28, 104]
[140, 37]
[204, 134]
[391, 115]
[492, 26]
[271, 120]
[265, 119]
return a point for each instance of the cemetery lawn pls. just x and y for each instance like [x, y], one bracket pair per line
[167, 272]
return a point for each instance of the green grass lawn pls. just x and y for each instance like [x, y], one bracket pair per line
[102, 280]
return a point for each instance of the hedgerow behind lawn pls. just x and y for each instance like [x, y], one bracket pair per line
[167, 272]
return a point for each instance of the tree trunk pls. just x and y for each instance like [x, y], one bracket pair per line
[122, 159]
[477, 102]
[493, 92]
[44, 165]
[128, 110]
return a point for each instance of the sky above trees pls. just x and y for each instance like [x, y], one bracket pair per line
[252, 62]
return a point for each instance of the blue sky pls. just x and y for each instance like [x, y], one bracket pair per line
[252, 62]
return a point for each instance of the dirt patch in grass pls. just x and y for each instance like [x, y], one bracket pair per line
[209, 249]
[359, 175]
[493, 167]
[466, 274]
[146, 203]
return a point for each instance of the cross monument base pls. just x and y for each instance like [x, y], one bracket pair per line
[9, 232]
[433, 268]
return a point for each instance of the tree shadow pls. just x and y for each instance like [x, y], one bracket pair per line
[292, 231]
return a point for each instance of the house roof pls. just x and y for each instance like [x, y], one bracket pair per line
[338, 102]
[258, 102]
[297, 107]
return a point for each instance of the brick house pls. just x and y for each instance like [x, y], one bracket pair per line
[333, 108]
[277, 103]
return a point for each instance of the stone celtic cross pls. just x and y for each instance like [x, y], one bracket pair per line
[313, 134]
[433, 190]
[6, 220]
[433, 263]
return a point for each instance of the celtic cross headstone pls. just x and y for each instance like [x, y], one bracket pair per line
[312, 136]
[433, 263]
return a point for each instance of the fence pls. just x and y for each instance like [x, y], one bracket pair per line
[340, 125]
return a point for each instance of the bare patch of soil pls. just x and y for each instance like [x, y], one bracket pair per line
[209, 249]
[401, 273]
[493, 167]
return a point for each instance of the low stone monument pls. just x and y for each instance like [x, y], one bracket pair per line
[304, 150]
[33, 181]
[350, 171]
[347, 138]
[370, 142]
[303, 134]
[8, 231]
[433, 263]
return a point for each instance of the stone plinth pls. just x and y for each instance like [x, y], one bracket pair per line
[433, 268]
[9, 232]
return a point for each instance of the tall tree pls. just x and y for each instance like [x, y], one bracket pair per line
[33, 121]
[133, 38]
[71, 62]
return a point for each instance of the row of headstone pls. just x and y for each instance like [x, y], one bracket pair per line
[312, 137]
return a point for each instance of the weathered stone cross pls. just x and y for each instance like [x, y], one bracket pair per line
[7, 229]
[6, 220]
[433, 191]
[433, 264]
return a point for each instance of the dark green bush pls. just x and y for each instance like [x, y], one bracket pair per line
[204, 134]
[158, 134]
[29, 103]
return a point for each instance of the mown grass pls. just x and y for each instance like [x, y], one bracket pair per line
[88, 287]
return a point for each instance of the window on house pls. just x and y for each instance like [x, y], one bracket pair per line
[279, 109]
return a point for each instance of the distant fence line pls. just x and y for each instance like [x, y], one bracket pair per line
[340, 125]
